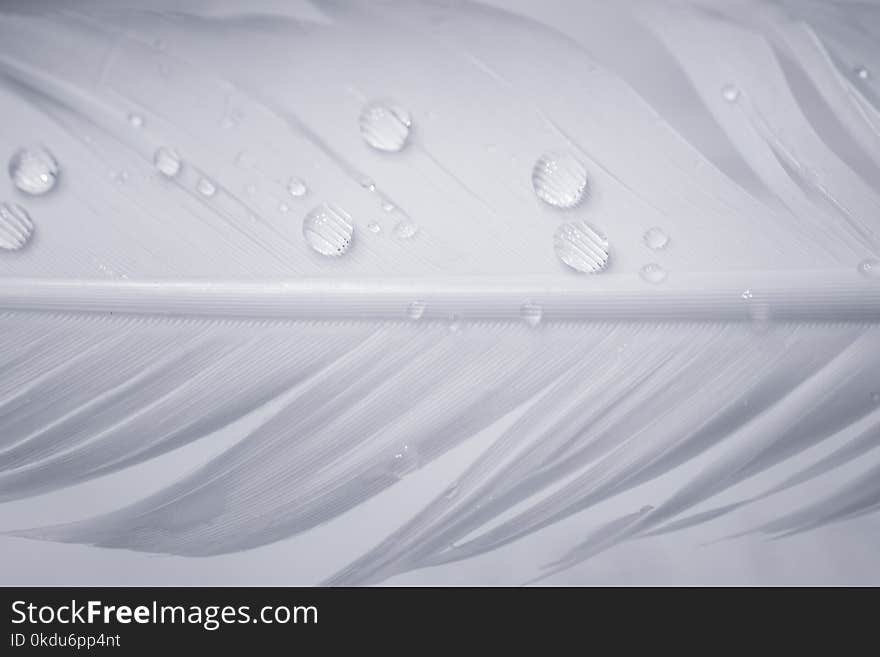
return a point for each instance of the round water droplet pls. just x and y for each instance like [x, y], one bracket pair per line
[374, 227]
[581, 247]
[730, 93]
[167, 161]
[33, 170]
[531, 313]
[368, 184]
[653, 273]
[416, 309]
[862, 73]
[385, 126]
[560, 180]
[869, 268]
[656, 238]
[747, 294]
[406, 229]
[136, 120]
[16, 227]
[297, 187]
[206, 187]
[328, 230]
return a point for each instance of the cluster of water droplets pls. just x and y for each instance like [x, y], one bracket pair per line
[33, 171]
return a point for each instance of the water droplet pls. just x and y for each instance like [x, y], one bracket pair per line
[747, 294]
[328, 230]
[560, 179]
[406, 229]
[33, 170]
[656, 238]
[416, 309]
[653, 273]
[385, 126]
[374, 227]
[368, 184]
[581, 247]
[205, 187]
[388, 206]
[862, 73]
[730, 93]
[136, 120]
[297, 187]
[167, 161]
[531, 313]
[16, 227]
[283, 207]
[454, 323]
[869, 268]
[405, 459]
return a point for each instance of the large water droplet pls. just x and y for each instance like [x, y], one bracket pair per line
[730, 93]
[870, 268]
[167, 161]
[328, 230]
[385, 126]
[747, 294]
[560, 179]
[653, 273]
[531, 313]
[656, 238]
[33, 170]
[205, 187]
[581, 247]
[416, 309]
[297, 187]
[16, 227]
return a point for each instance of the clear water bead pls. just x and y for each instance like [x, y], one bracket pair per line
[870, 268]
[297, 187]
[416, 309]
[581, 246]
[206, 188]
[406, 229]
[385, 126]
[730, 93]
[167, 161]
[33, 170]
[560, 180]
[656, 238]
[653, 273]
[862, 73]
[531, 313]
[328, 230]
[136, 120]
[374, 227]
[16, 227]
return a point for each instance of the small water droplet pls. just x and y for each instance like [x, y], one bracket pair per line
[747, 294]
[560, 180]
[296, 187]
[328, 230]
[406, 229]
[653, 273]
[368, 184]
[869, 268]
[581, 247]
[730, 93]
[205, 187]
[283, 207]
[374, 227]
[656, 238]
[33, 170]
[862, 73]
[16, 227]
[531, 313]
[385, 126]
[167, 161]
[136, 120]
[416, 309]
[388, 206]
[454, 323]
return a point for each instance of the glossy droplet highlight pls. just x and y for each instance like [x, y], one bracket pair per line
[328, 230]
[205, 187]
[16, 227]
[33, 170]
[870, 268]
[730, 93]
[136, 120]
[374, 227]
[406, 229]
[581, 247]
[297, 187]
[531, 313]
[416, 309]
[167, 161]
[656, 238]
[862, 73]
[653, 273]
[385, 126]
[560, 180]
